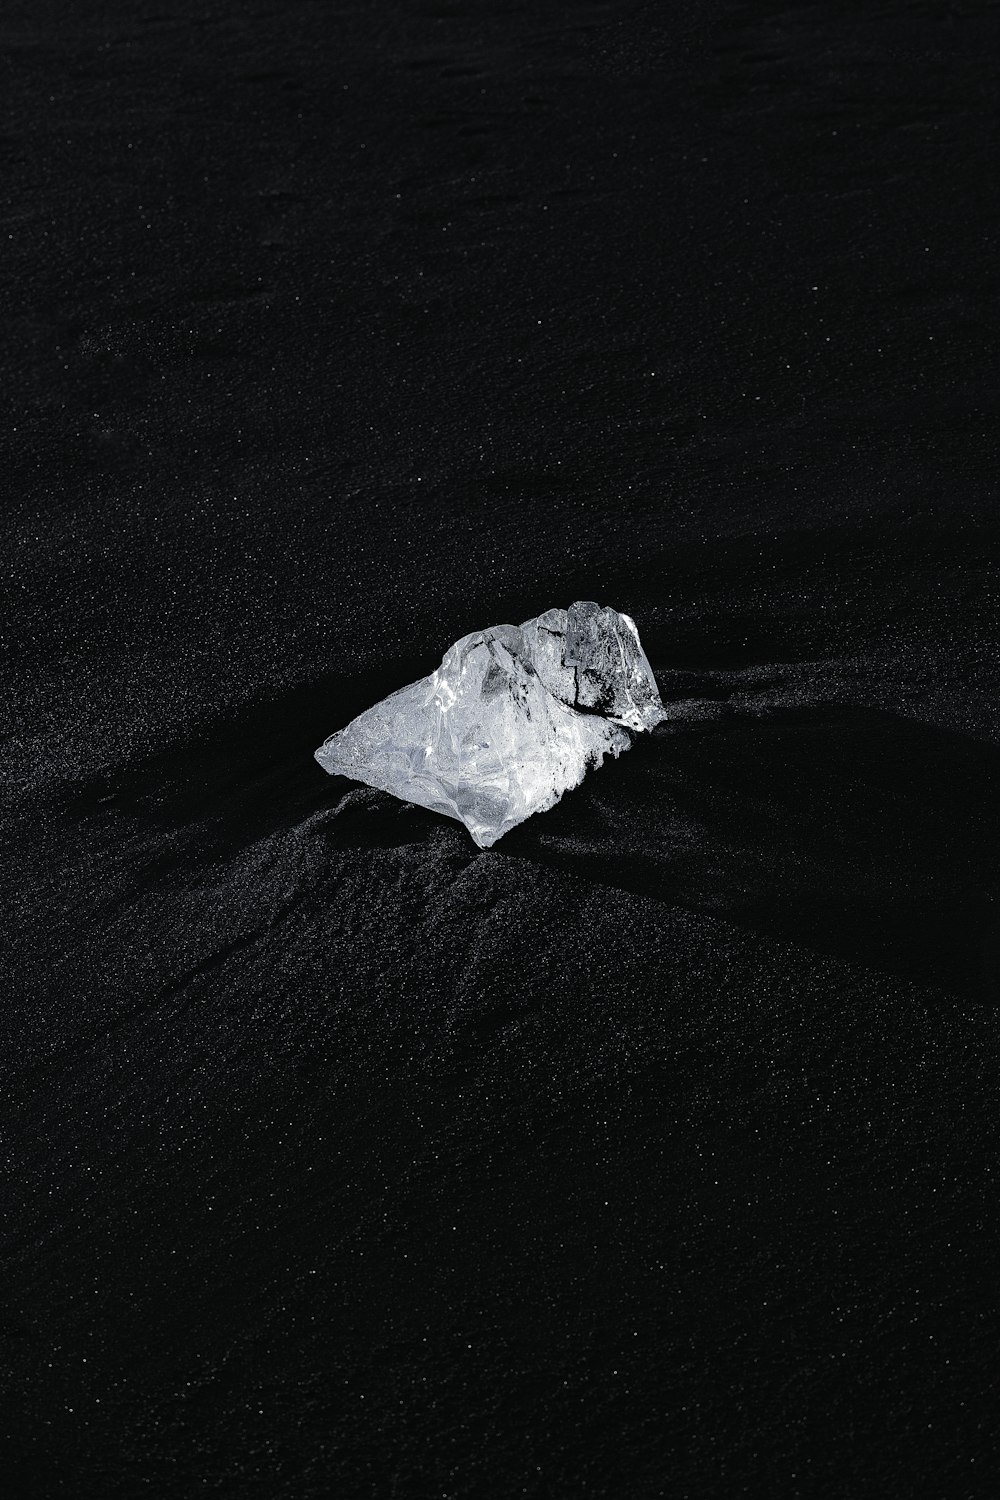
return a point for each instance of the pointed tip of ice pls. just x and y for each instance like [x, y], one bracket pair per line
[327, 757]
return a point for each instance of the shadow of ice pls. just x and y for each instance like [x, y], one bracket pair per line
[852, 832]
[247, 774]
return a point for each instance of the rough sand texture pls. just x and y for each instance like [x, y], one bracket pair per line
[650, 1153]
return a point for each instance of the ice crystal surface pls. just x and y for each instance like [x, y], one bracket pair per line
[511, 719]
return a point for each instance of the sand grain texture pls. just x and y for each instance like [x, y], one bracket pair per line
[650, 1152]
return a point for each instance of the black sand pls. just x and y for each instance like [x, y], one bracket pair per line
[651, 1153]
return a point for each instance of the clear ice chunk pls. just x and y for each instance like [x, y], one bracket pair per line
[513, 717]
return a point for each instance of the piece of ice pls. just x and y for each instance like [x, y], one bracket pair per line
[511, 719]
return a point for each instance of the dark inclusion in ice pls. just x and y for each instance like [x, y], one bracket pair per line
[511, 719]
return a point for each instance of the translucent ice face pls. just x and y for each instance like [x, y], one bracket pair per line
[511, 719]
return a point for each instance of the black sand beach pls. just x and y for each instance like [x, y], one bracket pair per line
[653, 1151]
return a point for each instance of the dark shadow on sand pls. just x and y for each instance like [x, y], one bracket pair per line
[852, 832]
[244, 776]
